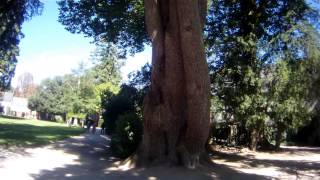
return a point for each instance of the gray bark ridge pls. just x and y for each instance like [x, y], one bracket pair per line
[176, 109]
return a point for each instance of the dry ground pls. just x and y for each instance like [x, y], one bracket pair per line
[290, 163]
[88, 157]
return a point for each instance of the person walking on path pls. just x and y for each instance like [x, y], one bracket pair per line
[88, 122]
[95, 119]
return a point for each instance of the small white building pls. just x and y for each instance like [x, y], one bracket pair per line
[15, 106]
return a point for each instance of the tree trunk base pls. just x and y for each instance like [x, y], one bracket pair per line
[135, 162]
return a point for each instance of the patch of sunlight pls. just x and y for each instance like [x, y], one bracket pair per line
[152, 178]
[78, 144]
[45, 136]
[2, 141]
[105, 137]
[117, 167]
[112, 168]
[269, 171]
[34, 161]
[98, 149]
[68, 175]
[78, 137]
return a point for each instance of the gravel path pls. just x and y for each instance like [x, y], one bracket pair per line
[88, 157]
[80, 158]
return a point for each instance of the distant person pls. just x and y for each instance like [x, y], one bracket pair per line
[72, 121]
[95, 122]
[88, 122]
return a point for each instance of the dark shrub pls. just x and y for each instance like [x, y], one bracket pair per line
[122, 103]
[127, 135]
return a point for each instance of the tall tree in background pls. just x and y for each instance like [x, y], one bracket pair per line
[83, 82]
[48, 99]
[107, 64]
[141, 80]
[12, 14]
[176, 109]
[293, 93]
[237, 33]
[287, 97]
[25, 87]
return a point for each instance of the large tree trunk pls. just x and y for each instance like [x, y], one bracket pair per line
[280, 130]
[254, 137]
[176, 109]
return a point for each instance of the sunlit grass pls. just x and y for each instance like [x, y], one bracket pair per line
[33, 132]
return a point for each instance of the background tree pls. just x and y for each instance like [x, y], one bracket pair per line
[141, 80]
[176, 110]
[119, 104]
[48, 100]
[287, 95]
[238, 33]
[82, 91]
[118, 22]
[25, 87]
[12, 15]
[296, 101]
[107, 64]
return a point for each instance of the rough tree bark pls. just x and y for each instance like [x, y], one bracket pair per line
[254, 138]
[280, 130]
[176, 109]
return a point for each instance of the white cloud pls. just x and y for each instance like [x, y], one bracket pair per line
[50, 64]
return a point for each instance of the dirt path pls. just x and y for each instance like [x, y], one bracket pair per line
[88, 157]
[290, 163]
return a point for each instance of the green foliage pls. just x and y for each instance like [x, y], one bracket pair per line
[244, 39]
[86, 93]
[127, 135]
[17, 132]
[141, 80]
[76, 115]
[82, 92]
[105, 92]
[12, 15]
[119, 22]
[107, 64]
[122, 119]
[123, 102]
[49, 97]
[287, 96]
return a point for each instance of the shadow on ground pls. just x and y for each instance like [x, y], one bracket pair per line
[96, 162]
[11, 152]
[296, 168]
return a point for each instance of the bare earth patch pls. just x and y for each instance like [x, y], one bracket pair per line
[290, 163]
[88, 157]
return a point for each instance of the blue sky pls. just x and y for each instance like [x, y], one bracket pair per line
[48, 50]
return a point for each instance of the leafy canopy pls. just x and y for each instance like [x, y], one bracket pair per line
[12, 14]
[118, 22]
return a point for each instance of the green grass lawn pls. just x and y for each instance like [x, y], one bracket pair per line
[21, 132]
